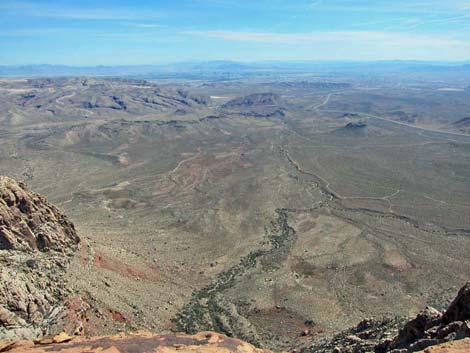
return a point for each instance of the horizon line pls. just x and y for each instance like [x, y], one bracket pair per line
[299, 61]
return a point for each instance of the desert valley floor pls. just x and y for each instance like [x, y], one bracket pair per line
[254, 208]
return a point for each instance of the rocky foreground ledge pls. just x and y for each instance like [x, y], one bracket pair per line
[431, 331]
[144, 342]
[139, 342]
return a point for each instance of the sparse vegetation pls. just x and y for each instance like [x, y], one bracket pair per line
[281, 208]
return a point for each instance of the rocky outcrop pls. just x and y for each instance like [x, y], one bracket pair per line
[36, 242]
[139, 342]
[459, 309]
[430, 328]
[415, 329]
[257, 105]
[256, 99]
[356, 126]
[29, 222]
[367, 336]
[353, 129]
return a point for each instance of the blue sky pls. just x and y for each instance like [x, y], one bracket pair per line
[123, 32]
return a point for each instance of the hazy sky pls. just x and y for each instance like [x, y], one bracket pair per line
[102, 32]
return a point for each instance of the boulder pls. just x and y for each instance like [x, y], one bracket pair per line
[416, 328]
[459, 309]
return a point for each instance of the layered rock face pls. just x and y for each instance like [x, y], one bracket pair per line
[36, 242]
[140, 342]
[29, 222]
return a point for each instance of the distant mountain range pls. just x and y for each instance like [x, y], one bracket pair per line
[227, 69]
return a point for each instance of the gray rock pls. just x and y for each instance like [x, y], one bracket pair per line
[36, 240]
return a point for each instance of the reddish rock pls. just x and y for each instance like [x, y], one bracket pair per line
[139, 342]
[462, 346]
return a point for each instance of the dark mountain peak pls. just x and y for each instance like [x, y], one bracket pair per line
[355, 126]
[465, 122]
[255, 99]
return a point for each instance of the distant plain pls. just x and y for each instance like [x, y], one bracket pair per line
[255, 206]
